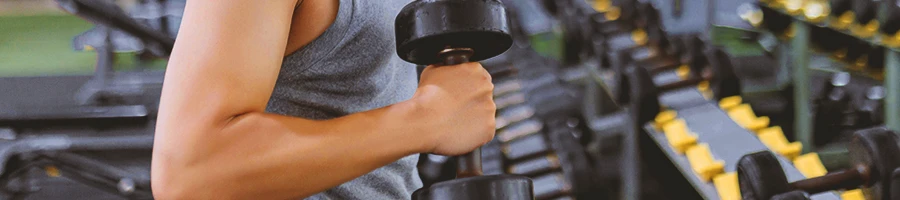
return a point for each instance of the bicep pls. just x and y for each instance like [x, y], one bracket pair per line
[225, 61]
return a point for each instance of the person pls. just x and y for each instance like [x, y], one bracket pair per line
[289, 99]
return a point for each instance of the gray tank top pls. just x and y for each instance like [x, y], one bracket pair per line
[352, 67]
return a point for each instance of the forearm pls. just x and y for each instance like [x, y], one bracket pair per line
[267, 156]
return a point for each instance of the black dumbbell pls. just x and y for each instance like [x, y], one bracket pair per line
[616, 19]
[856, 50]
[864, 11]
[648, 32]
[450, 32]
[828, 40]
[775, 21]
[712, 65]
[637, 89]
[656, 54]
[689, 50]
[873, 160]
[892, 21]
[839, 7]
[832, 107]
[871, 110]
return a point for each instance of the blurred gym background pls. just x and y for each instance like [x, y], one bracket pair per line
[37, 38]
[80, 83]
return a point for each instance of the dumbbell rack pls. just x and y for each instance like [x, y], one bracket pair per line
[525, 145]
[719, 141]
[795, 54]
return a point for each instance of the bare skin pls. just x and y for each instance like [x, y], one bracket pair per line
[215, 141]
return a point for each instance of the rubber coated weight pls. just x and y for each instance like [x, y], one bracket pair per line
[792, 195]
[649, 16]
[680, 49]
[695, 48]
[760, 176]
[478, 187]
[724, 82]
[838, 7]
[876, 148]
[639, 92]
[892, 22]
[856, 50]
[424, 28]
[865, 10]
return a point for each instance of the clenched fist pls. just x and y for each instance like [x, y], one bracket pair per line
[457, 107]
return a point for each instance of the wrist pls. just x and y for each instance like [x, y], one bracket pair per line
[417, 120]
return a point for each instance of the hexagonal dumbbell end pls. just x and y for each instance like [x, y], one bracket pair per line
[428, 30]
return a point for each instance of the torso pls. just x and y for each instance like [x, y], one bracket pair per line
[350, 66]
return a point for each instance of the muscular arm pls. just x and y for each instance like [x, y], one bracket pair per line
[213, 139]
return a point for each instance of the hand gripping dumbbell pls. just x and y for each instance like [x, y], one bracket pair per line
[873, 160]
[450, 32]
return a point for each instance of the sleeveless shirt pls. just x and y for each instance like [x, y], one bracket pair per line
[352, 67]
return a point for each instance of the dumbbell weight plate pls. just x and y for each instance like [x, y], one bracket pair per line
[876, 148]
[865, 10]
[636, 89]
[725, 82]
[760, 176]
[478, 187]
[424, 28]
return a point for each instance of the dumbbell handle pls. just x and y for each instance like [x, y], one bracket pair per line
[660, 69]
[469, 164]
[845, 179]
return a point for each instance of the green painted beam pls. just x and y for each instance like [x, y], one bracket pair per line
[892, 89]
[802, 110]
